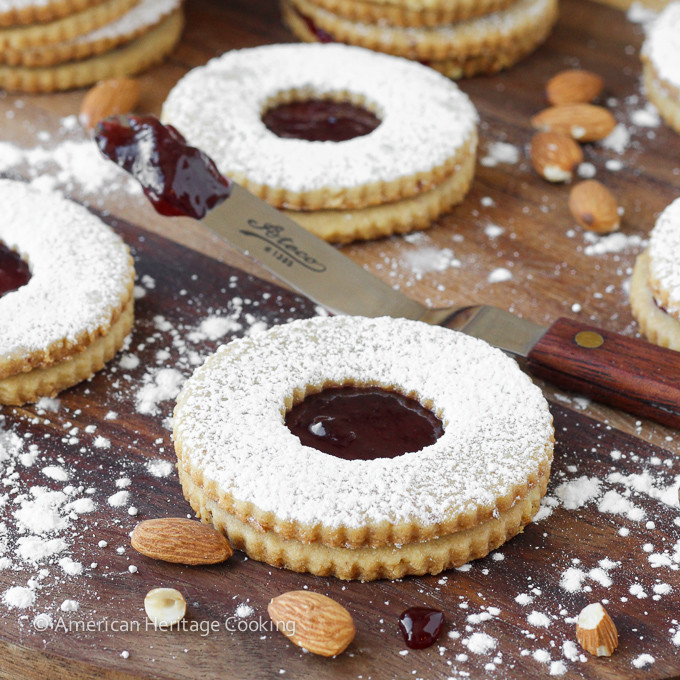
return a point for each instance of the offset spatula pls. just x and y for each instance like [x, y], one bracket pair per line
[628, 373]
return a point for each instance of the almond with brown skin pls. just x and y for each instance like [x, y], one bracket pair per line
[312, 621]
[583, 122]
[109, 98]
[180, 540]
[595, 631]
[554, 156]
[574, 86]
[594, 207]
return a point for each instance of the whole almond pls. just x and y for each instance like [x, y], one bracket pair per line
[595, 631]
[312, 621]
[180, 540]
[108, 98]
[594, 207]
[583, 122]
[554, 156]
[574, 86]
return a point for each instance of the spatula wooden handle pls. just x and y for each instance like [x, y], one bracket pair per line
[631, 374]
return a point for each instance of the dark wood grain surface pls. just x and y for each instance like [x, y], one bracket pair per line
[185, 288]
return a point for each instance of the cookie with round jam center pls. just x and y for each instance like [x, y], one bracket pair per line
[363, 423]
[14, 272]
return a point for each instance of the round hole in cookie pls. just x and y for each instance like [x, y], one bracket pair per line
[335, 117]
[14, 270]
[363, 422]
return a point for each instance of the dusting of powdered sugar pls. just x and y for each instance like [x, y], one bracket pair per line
[664, 263]
[140, 18]
[227, 411]
[68, 161]
[80, 272]
[400, 91]
[662, 46]
[500, 152]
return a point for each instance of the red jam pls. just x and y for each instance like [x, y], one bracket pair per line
[14, 272]
[178, 179]
[363, 423]
[320, 120]
[421, 627]
[321, 35]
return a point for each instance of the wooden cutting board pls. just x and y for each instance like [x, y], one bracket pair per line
[107, 637]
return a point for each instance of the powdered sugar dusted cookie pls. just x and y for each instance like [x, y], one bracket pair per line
[66, 300]
[331, 128]
[276, 448]
[661, 61]
[134, 23]
[655, 287]
[129, 58]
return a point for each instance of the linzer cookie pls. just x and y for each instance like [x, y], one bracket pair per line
[411, 12]
[655, 286]
[133, 24]
[66, 28]
[481, 44]
[132, 57]
[363, 448]
[355, 143]
[23, 12]
[661, 64]
[66, 301]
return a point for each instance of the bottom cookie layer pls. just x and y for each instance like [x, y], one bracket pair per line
[367, 564]
[410, 214]
[657, 326]
[47, 382]
[661, 97]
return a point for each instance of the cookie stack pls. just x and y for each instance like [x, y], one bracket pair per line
[459, 38]
[350, 143]
[63, 44]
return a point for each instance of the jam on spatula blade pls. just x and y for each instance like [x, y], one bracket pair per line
[179, 179]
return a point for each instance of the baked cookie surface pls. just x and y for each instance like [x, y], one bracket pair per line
[481, 44]
[661, 64]
[77, 307]
[134, 23]
[128, 59]
[424, 121]
[655, 286]
[243, 468]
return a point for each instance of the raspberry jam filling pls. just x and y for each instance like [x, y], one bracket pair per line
[320, 120]
[14, 272]
[363, 423]
[321, 35]
[178, 179]
[421, 626]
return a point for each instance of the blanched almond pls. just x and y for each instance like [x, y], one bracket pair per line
[180, 540]
[312, 621]
[554, 156]
[165, 606]
[594, 207]
[595, 630]
[583, 122]
[574, 86]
